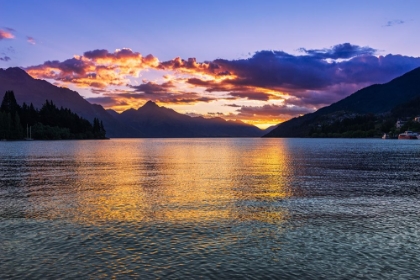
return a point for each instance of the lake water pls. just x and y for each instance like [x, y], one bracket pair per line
[210, 208]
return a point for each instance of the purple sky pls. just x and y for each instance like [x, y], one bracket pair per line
[259, 61]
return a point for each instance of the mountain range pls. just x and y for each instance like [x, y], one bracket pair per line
[149, 120]
[378, 99]
[152, 120]
[155, 121]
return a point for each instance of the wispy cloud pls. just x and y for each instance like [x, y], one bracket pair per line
[272, 110]
[269, 113]
[233, 105]
[341, 51]
[123, 101]
[394, 22]
[31, 40]
[168, 93]
[5, 58]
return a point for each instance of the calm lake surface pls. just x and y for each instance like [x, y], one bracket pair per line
[210, 208]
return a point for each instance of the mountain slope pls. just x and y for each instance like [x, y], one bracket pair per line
[375, 99]
[155, 121]
[30, 90]
[148, 121]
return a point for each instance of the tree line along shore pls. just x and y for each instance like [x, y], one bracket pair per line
[48, 123]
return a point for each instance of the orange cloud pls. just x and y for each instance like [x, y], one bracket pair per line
[261, 116]
[96, 69]
[266, 115]
[99, 69]
[6, 35]
[165, 93]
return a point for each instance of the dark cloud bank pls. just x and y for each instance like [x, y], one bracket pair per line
[318, 77]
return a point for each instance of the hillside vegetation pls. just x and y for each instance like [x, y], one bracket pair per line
[48, 123]
[368, 112]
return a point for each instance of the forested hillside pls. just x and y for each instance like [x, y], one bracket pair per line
[368, 112]
[48, 123]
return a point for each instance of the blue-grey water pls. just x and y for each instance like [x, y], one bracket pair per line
[210, 209]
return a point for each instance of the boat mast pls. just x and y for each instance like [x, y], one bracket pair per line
[28, 132]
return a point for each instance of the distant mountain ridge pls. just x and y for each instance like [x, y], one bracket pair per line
[375, 99]
[155, 121]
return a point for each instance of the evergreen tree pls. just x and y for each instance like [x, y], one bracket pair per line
[16, 129]
[96, 127]
[11, 126]
[5, 124]
[29, 115]
[9, 103]
[103, 131]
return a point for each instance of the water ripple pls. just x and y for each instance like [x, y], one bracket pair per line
[210, 208]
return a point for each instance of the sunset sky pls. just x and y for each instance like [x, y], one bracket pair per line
[262, 62]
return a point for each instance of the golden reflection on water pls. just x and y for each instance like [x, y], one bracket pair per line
[177, 180]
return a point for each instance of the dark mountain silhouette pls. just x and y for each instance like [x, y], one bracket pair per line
[30, 90]
[155, 121]
[112, 113]
[375, 99]
[148, 121]
[408, 109]
[270, 128]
